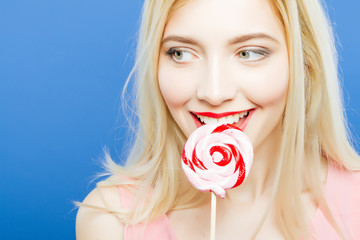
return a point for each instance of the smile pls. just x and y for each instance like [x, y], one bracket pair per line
[238, 119]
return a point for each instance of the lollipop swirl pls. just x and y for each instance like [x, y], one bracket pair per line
[217, 157]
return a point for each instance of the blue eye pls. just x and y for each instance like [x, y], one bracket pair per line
[179, 55]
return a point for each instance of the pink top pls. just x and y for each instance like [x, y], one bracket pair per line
[342, 192]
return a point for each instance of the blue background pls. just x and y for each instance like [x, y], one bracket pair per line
[62, 67]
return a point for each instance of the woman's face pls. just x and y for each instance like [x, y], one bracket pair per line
[225, 61]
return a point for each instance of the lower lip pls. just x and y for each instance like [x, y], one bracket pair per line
[247, 119]
[242, 125]
[196, 120]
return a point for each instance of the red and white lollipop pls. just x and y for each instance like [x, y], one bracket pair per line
[217, 157]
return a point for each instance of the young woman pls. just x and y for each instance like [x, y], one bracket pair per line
[268, 66]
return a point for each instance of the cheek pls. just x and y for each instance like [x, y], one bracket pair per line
[269, 86]
[176, 86]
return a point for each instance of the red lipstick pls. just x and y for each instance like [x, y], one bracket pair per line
[240, 124]
[217, 115]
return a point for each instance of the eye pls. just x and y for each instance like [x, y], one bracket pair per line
[253, 55]
[179, 55]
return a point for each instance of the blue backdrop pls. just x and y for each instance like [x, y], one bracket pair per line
[62, 67]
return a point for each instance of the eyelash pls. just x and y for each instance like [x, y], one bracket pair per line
[172, 50]
[264, 52]
[261, 51]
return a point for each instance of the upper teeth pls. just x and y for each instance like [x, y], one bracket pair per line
[225, 120]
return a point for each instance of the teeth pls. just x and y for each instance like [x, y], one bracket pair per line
[243, 114]
[236, 117]
[211, 120]
[225, 120]
[230, 119]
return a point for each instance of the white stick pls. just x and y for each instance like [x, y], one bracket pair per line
[213, 216]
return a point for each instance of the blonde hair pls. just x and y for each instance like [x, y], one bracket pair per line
[314, 124]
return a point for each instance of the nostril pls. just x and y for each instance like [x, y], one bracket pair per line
[213, 97]
[215, 100]
[216, 94]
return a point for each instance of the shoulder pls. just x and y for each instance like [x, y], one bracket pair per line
[343, 196]
[97, 223]
[343, 184]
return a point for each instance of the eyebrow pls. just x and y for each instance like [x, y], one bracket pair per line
[244, 38]
[176, 38]
[236, 40]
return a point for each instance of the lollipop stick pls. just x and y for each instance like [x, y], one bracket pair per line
[213, 216]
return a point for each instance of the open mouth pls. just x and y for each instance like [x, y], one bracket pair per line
[238, 119]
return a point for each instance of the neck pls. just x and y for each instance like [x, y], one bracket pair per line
[260, 181]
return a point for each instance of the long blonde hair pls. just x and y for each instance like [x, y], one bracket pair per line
[314, 124]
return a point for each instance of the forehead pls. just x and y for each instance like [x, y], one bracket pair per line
[217, 19]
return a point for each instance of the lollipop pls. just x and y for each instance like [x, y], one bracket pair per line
[217, 157]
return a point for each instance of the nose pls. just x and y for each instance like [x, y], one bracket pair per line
[215, 85]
